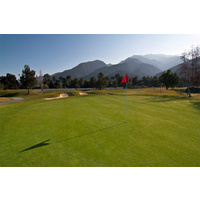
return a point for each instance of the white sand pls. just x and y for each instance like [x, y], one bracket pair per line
[86, 93]
[83, 93]
[62, 95]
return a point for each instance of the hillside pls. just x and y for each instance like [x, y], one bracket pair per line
[163, 62]
[131, 66]
[81, 70]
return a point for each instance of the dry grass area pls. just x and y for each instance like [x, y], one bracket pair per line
[4, 99]
[196, 96]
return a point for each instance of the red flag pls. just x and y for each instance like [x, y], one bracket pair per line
[124, 79]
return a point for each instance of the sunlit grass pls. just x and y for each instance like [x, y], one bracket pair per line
[90, 130]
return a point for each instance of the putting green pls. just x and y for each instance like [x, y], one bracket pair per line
[90, 131]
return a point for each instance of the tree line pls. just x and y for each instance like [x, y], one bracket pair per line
[28, 80]
[99, 83]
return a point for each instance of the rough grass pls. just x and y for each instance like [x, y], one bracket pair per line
[90, 130]
[4, 99]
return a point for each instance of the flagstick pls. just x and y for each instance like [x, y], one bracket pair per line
[124, 80]
[126, 103]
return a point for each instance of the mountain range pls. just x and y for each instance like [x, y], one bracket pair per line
[131, 67]
[81, 70]
[160, 61]
[140, 65]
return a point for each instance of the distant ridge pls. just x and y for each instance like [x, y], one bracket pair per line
[161, 61]
[131, 66]
[81, 70]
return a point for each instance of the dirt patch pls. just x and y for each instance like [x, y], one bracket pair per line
[4, 99]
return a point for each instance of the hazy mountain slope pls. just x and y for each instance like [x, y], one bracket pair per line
[131, 67]
[144, 60]
[81, 70]
[161, 61]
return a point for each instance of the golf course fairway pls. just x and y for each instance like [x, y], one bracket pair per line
[90, 131]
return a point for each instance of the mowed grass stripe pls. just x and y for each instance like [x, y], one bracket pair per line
[89, 131]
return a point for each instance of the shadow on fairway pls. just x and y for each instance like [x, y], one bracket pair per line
[196, 105]
[166, 99]
[78, 136]
[44, 143]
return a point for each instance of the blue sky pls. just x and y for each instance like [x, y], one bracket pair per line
[53, 53]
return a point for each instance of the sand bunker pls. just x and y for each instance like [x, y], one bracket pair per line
[83, 93]
[62, 95]
[86, 93]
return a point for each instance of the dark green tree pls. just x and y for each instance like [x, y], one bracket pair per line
[102, 81]
[115, 83]
[61, 79]
[112, 79]
[86, 84]
[64, 82]
[75, 83]
[54, 80]
[58, 84]
[93, 82]
[69, 79]
[81, 82]
[118, 78]
[169, 79]
[135, 80]
[28, 79]
[9, 81]
[155, 81]
[46, 79]
[2, 86]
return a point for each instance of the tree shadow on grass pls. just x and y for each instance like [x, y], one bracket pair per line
[44, 143]
[41, 144]
[166, 99]
[79, 136]
[10, 94]
[196, 105]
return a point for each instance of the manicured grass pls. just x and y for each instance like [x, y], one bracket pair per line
[90, 131]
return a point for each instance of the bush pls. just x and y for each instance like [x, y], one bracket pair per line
[193, 90]
[2, 86]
